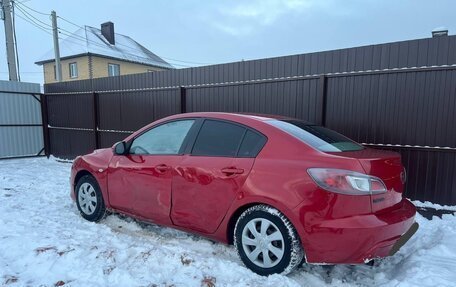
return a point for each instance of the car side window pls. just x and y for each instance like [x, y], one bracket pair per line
[164, 139]
[251, 144]
[218, 138]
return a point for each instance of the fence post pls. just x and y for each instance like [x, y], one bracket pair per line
[183, 99]
[323, 91]
[96, 120]
[45, 123]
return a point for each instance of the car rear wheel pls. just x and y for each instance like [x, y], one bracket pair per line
[266, 241]
[89, 199]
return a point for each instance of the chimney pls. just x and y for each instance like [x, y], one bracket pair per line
[440, 31]
[107, 30]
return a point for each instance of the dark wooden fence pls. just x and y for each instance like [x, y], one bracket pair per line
[399, 96]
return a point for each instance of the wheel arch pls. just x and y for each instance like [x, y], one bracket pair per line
[233, 219]
[80, 174]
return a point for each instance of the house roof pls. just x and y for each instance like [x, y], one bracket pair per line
[89, 41]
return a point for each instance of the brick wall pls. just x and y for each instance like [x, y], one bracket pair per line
[99, 68]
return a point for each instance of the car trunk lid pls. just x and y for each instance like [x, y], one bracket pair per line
[385, 165]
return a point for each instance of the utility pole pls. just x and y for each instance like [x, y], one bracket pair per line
[10, 50]
[55, 34]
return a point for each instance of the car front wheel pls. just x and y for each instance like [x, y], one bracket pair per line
[266, 241]
[89, 199]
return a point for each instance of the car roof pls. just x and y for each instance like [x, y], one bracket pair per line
[234, 116]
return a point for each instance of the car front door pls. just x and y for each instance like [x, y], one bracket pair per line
[209, 178]
[140, 181]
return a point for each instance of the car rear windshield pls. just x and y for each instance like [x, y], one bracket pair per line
[319, 137]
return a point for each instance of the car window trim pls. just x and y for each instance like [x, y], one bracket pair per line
[184, 142]
[240, 143]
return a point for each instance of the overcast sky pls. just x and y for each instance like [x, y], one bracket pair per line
[225, 31]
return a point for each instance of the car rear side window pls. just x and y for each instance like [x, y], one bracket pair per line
[163, 139]
[319, 137]
[251, 144]
[217, 138]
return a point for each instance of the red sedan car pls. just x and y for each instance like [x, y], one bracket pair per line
[283, 191]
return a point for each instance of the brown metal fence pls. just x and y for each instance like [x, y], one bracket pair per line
[399, 96]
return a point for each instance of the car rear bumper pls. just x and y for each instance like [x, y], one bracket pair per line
[361, 238]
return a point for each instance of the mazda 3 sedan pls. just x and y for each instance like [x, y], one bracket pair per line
[282, 190]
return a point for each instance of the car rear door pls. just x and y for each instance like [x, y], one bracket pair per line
[209, 178]
[140, 182]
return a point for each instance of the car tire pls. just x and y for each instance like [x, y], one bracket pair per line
[89, 199]
[266, 241]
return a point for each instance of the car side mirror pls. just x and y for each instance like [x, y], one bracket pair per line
[120, 148]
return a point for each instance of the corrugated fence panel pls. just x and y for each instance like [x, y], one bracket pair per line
[107, 139]
[297, 98]
[19, 108]
[110, 111]
[71, 121]
[73, 86]
[309, 103]
[130, 111]
[409, 108]
[70, 111]
[21, 131]
[20, 141]
[431, 175]
[19, 87]
[133, 110]
[71, 143]
[109, 83]
[213, 99]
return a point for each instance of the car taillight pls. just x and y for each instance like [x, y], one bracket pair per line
[346, 181]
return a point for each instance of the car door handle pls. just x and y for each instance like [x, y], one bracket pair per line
[232, 170]
[162, 168]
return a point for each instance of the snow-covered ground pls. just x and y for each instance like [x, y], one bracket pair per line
[44, 242]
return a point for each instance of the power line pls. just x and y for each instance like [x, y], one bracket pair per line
[69, 22]
[34, 24]
[196, 63]
[172, 59]
[79, 38]
[83, 39]
[123, 45]
[25, 6]
[33, 20]
[119, 44]
[46, 30]
[30, 15]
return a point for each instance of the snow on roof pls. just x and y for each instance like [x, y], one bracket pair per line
[438, 29]
[89, 40]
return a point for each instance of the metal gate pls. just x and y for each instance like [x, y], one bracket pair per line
[21, 125]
